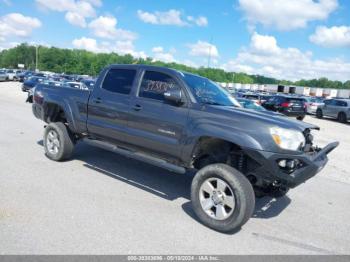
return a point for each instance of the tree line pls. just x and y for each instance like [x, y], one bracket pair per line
[73, 61]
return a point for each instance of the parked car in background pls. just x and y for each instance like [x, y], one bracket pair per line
[17, 74]
[312, 104]
[3, 75]
[335, 108]
[77, 85]
[256, 97]
[250, 104]
[11, 74]
[24, 76]
[31, 82]
[39, 74]
[89, 83]
[52, 82]
[287, 105]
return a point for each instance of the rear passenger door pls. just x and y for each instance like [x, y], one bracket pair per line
[329, 108]
[109, 105]
[155, 125]
[340, 106]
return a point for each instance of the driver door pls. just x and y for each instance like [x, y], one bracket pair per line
[155, 125]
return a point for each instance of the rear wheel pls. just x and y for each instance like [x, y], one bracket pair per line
[58, 142]
[319, 113]
[222, 197]
[342, 117]
[300, 118]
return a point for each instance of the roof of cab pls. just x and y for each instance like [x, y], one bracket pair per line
[145, 67]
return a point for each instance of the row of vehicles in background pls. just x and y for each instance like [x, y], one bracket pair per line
[296, 106]
[31, 79]
[10, 74]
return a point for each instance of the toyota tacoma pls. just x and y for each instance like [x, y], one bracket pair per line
[184, 123]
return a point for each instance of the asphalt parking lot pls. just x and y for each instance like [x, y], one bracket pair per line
[102, 203]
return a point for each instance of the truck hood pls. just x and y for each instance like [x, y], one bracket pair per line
[267, 118]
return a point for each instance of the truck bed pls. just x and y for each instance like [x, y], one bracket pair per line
[71, 100]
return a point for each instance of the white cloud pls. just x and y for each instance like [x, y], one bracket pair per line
[264, 44]
[157, 49]
[200, 21]
[127, 47]
[76, 11]
[75, 19]
[160, 55]
[202, 48]
[120, 47]
[335, 36]
[171, 17]
[88, 44]
[285, 63]
[286, 14]
[105, 27]
[7, 45]
[18, 25]
[95, 2]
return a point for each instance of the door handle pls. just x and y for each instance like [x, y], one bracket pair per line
[97, 100]
[137, 107]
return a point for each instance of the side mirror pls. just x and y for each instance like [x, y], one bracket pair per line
[174, 96]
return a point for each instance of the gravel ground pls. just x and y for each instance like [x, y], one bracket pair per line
[102, 203]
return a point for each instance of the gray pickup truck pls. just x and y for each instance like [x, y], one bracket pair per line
[184, 123]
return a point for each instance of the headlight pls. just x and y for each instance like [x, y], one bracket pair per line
[287, 138]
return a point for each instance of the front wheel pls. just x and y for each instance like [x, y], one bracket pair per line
[222, 197]
[58, 142]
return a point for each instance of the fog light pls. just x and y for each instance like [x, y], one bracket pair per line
[282, 163]
[288, 163]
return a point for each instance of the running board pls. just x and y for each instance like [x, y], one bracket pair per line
[136, 155]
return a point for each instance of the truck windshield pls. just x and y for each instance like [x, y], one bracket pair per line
[207, 92]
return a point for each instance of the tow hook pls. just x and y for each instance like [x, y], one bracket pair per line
[276, 183]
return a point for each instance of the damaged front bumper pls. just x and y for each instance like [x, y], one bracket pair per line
[307, 165]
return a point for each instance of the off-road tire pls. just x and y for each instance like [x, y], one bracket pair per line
[66, 142]
[243, 195]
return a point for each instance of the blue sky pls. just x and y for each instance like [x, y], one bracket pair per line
[289, 39]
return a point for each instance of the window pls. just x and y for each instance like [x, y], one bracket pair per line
[294, 100]
[341, 103]
[154, 84]
[328, 102]
[119, 80]
[279, 100]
